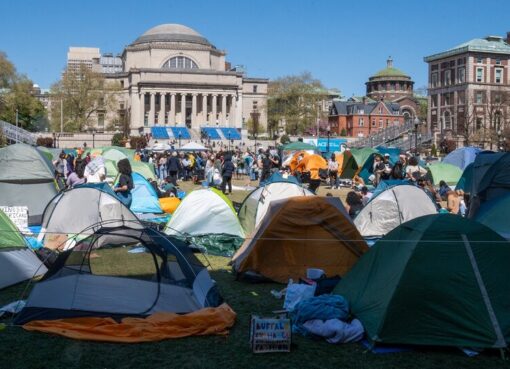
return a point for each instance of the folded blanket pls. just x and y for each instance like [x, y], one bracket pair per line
[156, 327]
[336, 331]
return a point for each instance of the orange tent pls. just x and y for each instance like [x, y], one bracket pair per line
[294, 161]
[298, 233]
[312, 163]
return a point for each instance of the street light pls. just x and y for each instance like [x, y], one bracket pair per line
[500, 144]
[16, 125]
[416, 124]
[329, 133]
[94, 138]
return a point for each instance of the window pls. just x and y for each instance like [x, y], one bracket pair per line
[479, 97]
[380, 109]
[361, 122]
[100, 120]
[460, 98]
[497, 98]
[479, 59]
[255, 87]
[479, 123]
[498, 75]
[498, 61]
[255, 105]
[433, 99]
[479, 74]
[180, 62]
[381, 124]
[446, 99]
[373, 123]
[461, 75]
[448, 77]
[433, 79]
[387, 122]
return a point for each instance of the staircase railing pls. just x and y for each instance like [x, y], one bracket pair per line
[17, 134]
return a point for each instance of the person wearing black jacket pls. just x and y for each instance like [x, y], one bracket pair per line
[227, 170]
[173, 166]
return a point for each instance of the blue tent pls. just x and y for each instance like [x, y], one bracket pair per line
[145, 198]
[385, 184]
[462, 156]
[102, 186]
[278, 177]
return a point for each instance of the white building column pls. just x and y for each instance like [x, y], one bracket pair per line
[194, 123]
[171, 110]
[183, 109]
[223, 118]
[239, 110]
[135, 111]
[152, 109]
[204, 109]
[231, 112]
[161, 118]
[214, 104]
[142, 109]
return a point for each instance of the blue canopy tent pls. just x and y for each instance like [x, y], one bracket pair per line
[367, 168]
[462, 156]
[145, 198]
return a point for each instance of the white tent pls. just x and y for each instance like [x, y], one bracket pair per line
[160, 146]
[204, 212]
[255, 206]
[193, 146]
[392, 207]
[82, 210]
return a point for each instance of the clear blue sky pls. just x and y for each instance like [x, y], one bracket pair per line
[340, 42]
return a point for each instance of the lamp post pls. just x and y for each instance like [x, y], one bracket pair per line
[416, 124]
[255, 121]
[500, 144]
[16, 125]
[329, 134]
[410, 138]
[180, 135]
[94, 138]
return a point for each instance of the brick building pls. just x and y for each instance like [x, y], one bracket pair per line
[469, 89]
[361, 119]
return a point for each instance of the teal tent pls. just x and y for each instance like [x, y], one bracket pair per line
[367, 168]
[493, 214]
[465, 179]
[145, 198]
[437, 280]
[296, 146]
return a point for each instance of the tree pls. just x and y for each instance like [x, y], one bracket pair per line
[296, 102]
[17, 95]
[84, 94]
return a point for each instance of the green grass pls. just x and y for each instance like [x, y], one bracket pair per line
[21, 349]
[27, 350]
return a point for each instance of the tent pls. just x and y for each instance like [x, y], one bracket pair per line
[17, 262]
[392, 207]
[26, 179]
[490, 179]
[492, 214]
[145, 169]
[81, 210]
[160, 147]
[353, 160]
[298, 233]
[444, 172]
[280, 177]
[193, 146]
[367, 167]
[134, 272]
[464, 182]
[117, 153]
[437, 280]
[145, 198]
[299, 146]
[209, 217]
[256, 204]
[462, 156]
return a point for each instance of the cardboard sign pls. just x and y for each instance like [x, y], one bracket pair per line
[270, 334]
[18, 215]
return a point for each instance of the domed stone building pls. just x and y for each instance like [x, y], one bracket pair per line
[392, 85]
[174, 76]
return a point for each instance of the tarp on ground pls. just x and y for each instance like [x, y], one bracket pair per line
[444, 172]
[298, 233]
[26, 179]
[462, 157]
[437, 280]
[17, 262]
[392, 207]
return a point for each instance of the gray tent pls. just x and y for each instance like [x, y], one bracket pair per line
[119, 272]
[26, 179]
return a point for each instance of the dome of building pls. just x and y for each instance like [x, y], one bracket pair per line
[172, 33]
[390, 71]
[389, 83]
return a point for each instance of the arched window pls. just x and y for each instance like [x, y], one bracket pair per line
[180, 62]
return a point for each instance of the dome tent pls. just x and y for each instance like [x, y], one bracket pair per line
[437, 280]
[492, 214]
[17, 261]
[145, 198]
[392, 207]
[208, 216]
[165, 277]
[462, 157]
[92, 204]
[255, 205]
[26, 179]
[444, 172]
[298, 233]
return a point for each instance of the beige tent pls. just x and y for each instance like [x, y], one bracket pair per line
[298, 233]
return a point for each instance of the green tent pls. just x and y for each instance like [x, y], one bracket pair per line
[17, 261]
[111, 169]
[437, 280]
[354, 160]
[444, 172]
[296, 146]
[145, 169]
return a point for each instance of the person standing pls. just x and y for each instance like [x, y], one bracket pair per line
[227, 171]
[173, 165]
[125, 185]
[162, 167]
[333, 171]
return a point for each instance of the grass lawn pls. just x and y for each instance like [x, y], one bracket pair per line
[21, 349]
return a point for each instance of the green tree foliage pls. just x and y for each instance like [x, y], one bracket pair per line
[16, 93]
[295, 100]
[284, 139]
[83, 94]
[118, 139]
